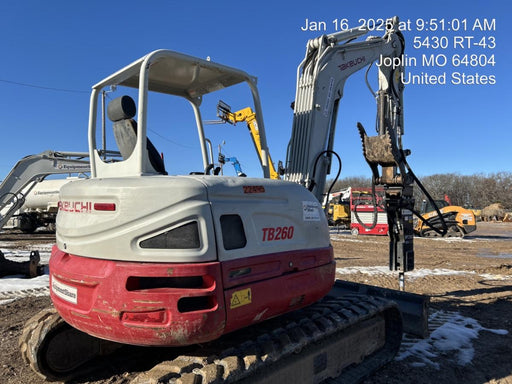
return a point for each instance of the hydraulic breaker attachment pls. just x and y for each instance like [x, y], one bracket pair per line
[383, 151]
[399, 206]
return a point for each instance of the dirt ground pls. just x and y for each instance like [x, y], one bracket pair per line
[483, 293]
[480, 290]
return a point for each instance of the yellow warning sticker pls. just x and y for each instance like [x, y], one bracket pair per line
[240, 298]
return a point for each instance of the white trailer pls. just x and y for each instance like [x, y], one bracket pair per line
[40, 207]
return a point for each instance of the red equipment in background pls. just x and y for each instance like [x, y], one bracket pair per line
[365, 218]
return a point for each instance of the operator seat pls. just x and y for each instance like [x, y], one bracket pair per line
[121, 112]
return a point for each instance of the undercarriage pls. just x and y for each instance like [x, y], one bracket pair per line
[345, 338]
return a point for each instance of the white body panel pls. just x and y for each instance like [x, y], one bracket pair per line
[148, 206]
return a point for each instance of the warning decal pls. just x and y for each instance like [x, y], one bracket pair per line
[240, 298]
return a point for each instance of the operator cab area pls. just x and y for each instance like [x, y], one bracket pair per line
[142, 87]
[121, 112]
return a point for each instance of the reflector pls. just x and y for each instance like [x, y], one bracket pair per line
[104, 206]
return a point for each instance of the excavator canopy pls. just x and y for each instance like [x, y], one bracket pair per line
[178, 74]
[172, 73]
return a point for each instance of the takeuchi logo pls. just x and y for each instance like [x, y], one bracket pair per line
[351, 63]
[75, 206]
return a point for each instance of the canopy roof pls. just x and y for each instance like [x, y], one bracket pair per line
[177, 74]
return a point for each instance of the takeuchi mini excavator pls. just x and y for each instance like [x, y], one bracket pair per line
[147, 258]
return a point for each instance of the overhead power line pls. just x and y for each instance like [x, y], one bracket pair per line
[41, 87]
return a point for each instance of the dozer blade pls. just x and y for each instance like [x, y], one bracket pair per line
[414, 307]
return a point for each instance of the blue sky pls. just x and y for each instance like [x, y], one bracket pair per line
[71, 45]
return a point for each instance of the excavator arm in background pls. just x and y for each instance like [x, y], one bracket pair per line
[23, 177]
[248, 116]
[33, 169]
[236, 164]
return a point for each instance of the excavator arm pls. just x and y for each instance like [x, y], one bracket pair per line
[32, 169]
[329, 61]
[248, 116]
[23, 177]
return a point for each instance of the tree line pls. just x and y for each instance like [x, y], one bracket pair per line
[474, 191]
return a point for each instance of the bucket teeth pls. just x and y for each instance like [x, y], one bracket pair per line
[378, 149]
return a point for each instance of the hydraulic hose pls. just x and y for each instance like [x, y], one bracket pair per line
[375, 210]
[431, 200]
[312, 185]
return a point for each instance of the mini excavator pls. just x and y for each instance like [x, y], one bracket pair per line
[147, 258]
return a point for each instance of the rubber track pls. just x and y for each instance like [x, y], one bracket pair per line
[35, 330]
[266, 344]
[36, 336]
[453, 229]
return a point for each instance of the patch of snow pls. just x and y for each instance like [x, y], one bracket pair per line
[348, 237]
[14, 283]
[353, 239]
[417, 273]
[488, 276]
[364, 270]
[453, 334]
[498, 256]
[16, 286]
[448, 239]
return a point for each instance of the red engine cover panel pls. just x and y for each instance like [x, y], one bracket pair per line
[139, 303]
[179, 304]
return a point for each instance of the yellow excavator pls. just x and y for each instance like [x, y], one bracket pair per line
[247, 115]
[458, 221]
[338, 213]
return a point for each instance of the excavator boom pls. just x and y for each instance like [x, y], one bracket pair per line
[32, 169]
[248, 116]
[329, 61]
